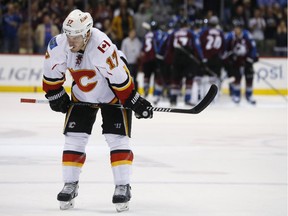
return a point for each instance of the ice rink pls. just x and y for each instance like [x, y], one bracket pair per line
[228, 160]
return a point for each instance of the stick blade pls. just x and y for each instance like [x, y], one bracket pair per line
[209, 97]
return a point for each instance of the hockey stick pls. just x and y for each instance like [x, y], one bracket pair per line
[195, 110]
[193, 58]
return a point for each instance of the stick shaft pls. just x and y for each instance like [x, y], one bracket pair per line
[195, 110]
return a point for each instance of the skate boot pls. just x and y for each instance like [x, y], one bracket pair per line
[67, 195]
[121, 197]
[249, 96]
[236, 99]
[251, 100]
[173, 100]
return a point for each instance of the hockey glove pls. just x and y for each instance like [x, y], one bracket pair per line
[139, 105]
[59, 100]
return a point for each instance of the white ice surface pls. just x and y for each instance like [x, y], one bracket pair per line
[227, 161]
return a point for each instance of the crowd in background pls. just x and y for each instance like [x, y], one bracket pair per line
[28, 25]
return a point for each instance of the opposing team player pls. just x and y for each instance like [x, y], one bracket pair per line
[241, 53]
[212, 42]
[184, 45]
[152, 60]
[99, 76]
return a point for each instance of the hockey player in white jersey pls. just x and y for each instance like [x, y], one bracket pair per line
[99, 76]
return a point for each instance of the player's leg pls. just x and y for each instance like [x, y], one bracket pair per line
[117, 130]
[215, 65]
[78, 126]
[236, 85]
[189, 73]
[249, 76]
[177, 75]
[159, 81]
[147, 69]
[231, 71]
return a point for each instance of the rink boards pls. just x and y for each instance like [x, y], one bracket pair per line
[23, 73]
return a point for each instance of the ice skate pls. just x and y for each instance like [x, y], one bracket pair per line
[236, 99]
[156, 100]
[189, 103]
[173, 100]
[67, 195]
[121, 197]
[251, 100]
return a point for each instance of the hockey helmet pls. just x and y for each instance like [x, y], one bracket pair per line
[213, 21]
[78, 23]
[154, 25]
[197, 23]
[183, 22]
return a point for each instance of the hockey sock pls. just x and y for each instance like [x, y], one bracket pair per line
[121, 161]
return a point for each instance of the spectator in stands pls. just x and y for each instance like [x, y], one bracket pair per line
[11, 22]
[121, 25]
[248, 9]
[69, 6]
[161, 12]
[281, 39]
[270, 32]
[35, 14]
[266, 3]
[140, 17]
[278, 11]
[25, 34]
[58, 10]
[102, 13]
[257, 27]
[123, 6]
[107, 29]
[131, 47]
[44, 33]
[240, 15]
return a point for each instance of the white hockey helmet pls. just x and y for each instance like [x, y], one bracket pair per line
[78, 23]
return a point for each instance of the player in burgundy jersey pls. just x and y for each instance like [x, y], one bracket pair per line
[212, 43]
[241, 53]
[185, 46]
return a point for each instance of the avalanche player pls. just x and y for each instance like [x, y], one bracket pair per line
[99, 76]
[185, 46]
[212, 42]
[241, 53]
[152, 61]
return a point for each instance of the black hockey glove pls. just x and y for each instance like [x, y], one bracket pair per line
[59, 100]
[139, 105]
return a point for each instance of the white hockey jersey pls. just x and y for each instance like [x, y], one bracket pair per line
[99, 75]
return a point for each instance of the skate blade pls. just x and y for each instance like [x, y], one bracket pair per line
[67, 205]
[120, 207]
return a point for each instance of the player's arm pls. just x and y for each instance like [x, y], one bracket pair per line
[122, 84]
[252, 54]
[227, 46]
[54, 78]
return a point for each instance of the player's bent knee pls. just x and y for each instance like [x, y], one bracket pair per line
[76, 141]
[116, 141]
